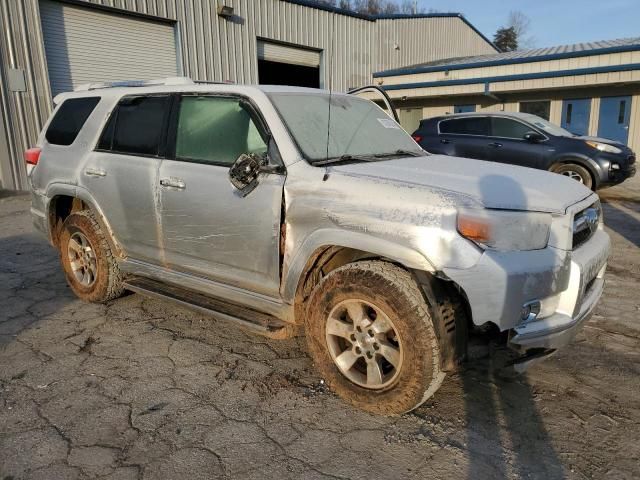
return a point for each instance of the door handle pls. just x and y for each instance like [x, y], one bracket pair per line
[173, 183]
[495, 145]
[445, 141]
[95, 172]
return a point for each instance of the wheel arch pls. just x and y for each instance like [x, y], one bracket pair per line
[591, 165]
[354, 245]
[66, 199]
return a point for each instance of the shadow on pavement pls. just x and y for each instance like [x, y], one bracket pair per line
[506, 436]
[617, 216]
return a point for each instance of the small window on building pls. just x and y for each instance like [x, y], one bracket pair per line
[541, 108]
[569, 113]
[508, 128]
[622, 111]
[464, 108]
[138, 126]
[466, 126]
[69, 120]
[216, 130]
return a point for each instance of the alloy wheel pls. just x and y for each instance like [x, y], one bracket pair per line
[82, 259]
[364, 344]
[574, 175]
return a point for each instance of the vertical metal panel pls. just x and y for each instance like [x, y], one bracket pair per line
[214, 49]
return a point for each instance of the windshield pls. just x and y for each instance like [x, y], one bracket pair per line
[548, 127]
[354, 127]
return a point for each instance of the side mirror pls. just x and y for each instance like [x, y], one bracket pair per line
[245, 171]
[533, 137]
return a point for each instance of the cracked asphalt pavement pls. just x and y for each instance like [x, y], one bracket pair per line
[143, 389]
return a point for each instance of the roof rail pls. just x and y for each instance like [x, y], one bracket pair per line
[135, 83]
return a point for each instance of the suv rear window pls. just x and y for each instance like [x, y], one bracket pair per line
[136, 126]
[69, 120]
[466, 126]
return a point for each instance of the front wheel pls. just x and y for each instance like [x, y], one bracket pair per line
[372, 338]
[575, 172]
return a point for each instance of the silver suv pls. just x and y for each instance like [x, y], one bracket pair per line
[288, 210]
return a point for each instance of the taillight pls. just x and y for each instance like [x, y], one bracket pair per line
[32, 155]
[417, 138]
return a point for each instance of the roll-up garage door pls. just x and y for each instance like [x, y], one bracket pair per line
[86, 45]
[277, 52]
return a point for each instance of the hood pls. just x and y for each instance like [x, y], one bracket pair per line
[598, 139]
[608, 141]
[494, 185]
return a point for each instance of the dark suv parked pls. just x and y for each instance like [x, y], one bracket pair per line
[530, 141]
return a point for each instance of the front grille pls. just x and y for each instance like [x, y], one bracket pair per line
[585, 224]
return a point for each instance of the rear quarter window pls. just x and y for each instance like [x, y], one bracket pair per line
[69, 120]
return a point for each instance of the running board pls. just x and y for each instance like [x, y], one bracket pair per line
[257, 322]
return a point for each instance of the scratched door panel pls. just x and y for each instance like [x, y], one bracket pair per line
[210, 230]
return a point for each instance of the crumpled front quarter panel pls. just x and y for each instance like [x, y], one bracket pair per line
[411, 224]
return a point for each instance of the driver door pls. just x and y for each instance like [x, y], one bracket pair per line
[208, 228]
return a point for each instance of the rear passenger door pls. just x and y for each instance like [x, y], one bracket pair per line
[465, 136]
[122, 173]
[507, 144]
[209, 228]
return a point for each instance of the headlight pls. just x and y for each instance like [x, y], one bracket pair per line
[603, 147]
[505, 230]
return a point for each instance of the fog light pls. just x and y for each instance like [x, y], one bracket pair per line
[529, 311]
[615, 166]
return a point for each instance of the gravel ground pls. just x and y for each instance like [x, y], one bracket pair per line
[140, 388]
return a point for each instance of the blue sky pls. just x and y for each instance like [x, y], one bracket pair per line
[553, 22]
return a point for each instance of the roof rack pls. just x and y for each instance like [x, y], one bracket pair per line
[135, 83]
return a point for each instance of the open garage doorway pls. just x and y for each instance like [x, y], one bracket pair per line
[285, 64]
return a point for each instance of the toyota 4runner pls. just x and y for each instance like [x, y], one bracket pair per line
[287, 209]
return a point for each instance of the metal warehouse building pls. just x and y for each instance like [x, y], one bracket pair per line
[50, 46]
[588, 88]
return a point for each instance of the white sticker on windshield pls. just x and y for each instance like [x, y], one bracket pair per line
[388, 123]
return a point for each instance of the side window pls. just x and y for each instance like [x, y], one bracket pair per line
[216, 130]
[136, 126]
[507, 128]
[69, 120]
[466, 126]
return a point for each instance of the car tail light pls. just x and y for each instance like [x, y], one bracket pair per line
[417, 138]
[32, 155]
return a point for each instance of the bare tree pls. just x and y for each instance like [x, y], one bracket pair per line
[377, 7]
[410, 7]
[521, 25]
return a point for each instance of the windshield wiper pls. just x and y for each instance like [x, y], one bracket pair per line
[346, 158]
[411, 153]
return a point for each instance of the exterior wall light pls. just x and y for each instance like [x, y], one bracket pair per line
[225, 11]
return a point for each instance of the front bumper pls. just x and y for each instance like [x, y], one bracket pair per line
[612, 176]
[575, 305]
[567, 283]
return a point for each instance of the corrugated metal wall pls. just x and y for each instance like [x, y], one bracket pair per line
[404, 42]
[214, 49]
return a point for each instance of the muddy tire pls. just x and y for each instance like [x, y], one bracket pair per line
[372, 313]
[575, 172]
[88, 262]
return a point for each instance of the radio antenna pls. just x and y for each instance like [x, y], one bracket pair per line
[332, 47]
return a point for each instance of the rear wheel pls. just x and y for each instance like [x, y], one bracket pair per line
[89, 265]
[372, 338]
[575, 172]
